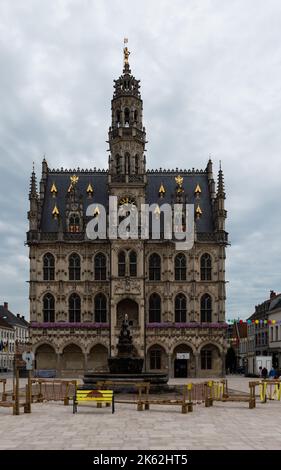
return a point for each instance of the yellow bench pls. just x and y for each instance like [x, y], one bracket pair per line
[93, 396]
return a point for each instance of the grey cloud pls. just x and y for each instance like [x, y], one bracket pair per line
[210, 74]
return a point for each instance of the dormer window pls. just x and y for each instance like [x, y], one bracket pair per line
[74, 223]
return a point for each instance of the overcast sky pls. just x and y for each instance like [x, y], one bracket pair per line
[210, 75]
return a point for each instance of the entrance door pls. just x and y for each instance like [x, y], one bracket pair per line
[181, 368]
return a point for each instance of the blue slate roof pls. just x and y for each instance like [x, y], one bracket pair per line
[98, 180]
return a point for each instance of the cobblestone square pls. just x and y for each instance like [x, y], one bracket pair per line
[223, 426]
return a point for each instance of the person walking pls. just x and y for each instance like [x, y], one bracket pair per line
[272, 373]
[264, 373]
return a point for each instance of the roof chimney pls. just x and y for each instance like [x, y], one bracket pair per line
[18, 315]
[272, 294]
[22, 317]
[6, 305]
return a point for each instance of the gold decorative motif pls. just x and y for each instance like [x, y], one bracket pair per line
[55, 212]
[54, 190]
[69, 188]
[179, 180]
[74, 180]
[90, 190]
[198, 190]
[198, 212]
[162, 190]
[96, 211]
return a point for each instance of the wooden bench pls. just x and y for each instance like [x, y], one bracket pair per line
[139, 386]
[93, 396]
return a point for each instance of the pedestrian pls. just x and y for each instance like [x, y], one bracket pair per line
[272, 373]
[264, 373]
[260, 371]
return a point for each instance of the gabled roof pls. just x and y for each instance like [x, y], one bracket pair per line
[5, 324]
[12, 319]
[275, 303]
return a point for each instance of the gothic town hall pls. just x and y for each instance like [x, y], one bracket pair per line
[80, 289]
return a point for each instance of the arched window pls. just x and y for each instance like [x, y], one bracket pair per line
[74, 267]
[154, 267]
[74, 223]
[118, 164]
[100, 308]
[127, 117]
[155, 358]
[74, 308]
[128, 163]
[206, 267]
[206, 359]
[206, 308]
[100, 267]
[180, 308]
[48, 308]
[137, 164]
[48, 267]
[118, 117]
[154, 308]
[133, 263]
[180, 267]
[121, 264]
[135, 116]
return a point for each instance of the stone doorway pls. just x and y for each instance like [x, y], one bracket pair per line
[180, 368]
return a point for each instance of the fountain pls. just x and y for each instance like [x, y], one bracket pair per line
[126, 365]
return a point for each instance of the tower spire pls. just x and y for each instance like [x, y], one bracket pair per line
[127, 137]
[220, 190]
[33, 185]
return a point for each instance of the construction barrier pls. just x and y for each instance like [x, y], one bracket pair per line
[269, 390]
[52, 390]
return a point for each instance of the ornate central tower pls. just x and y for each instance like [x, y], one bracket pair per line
[126, 134]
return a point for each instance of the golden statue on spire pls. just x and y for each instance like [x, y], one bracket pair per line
[126, 52]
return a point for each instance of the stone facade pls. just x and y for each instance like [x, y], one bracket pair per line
[80, 288]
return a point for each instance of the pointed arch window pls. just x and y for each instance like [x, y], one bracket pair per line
[180, 308]
[74, 223]
[74, 307]
[49, 267]
[100, 308]
[118, 164]
[100, 267]
[121, 264]
[133, 263]
[206, 267]
[154, 308]
[206, 359]
[137, 164]
[155, 359]
[180, 267]
[74, 267]
[118, 117]
[206, 308]
[154, 267]
[127, 117]
[136, 116]
[48, 308]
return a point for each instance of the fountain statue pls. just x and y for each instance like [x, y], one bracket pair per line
[126, 361]
[126, 365]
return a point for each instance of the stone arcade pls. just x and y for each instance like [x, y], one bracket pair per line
[80, 289]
